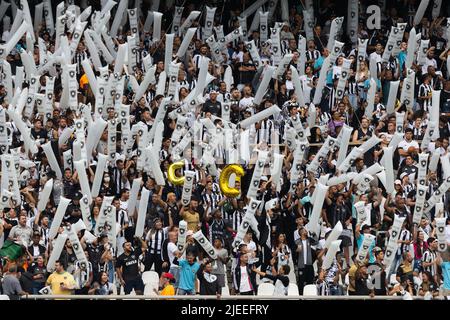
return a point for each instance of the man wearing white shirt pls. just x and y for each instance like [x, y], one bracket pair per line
[407, 143]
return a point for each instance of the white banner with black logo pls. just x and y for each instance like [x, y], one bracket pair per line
[33, 88]
[407, 94]
[82, 176]
[177, 19]
[422, 53]
[247, 222]
[251, 47]
[257, 173]
[420, 201]
[132, 18]
[352, 21]
[429, 132]
[364, 248]
[209, 22]
[182, 229]
[319, 196]
[206, 245]
[103, 215]
[398, 37]
[132, 51]
[440, 233]
[437, 195]
[322, 154]
[187, 187]
[399, 120]
[390, 44]
[343, 79]
[299, 154]
[276, 45]
[393, 244]
[263, 26]
[361, 217]
[76, 246]
[336, 25]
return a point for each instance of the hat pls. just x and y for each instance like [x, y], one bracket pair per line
[213, 91]
[397, 182]
[168, 275]
[404, 174]
[264, 178]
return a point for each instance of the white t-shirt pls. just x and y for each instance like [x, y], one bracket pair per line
[405, 145]
[428, 62]
[246, 102]
[171, 249]
[245, 281]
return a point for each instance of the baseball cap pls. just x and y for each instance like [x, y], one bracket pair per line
[397, 182]
[264, 178]
[404, 174]
[168, 275]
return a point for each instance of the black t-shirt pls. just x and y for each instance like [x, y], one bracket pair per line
[95, 255]
[215, 108]
[361, 288]
[245, 76]
[174, 212]
[129, 265]
[12, 222]
[40, 135]
[35, 270]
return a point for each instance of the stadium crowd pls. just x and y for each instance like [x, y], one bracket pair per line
[139, 251]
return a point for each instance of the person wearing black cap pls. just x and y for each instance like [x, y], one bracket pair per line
[212, 106]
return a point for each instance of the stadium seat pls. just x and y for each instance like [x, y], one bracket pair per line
[225, 292]
[150, 277]
[4, 297]
[293, 289]
[310, 290]
[149, 290]
[291, 275]
[265, 289]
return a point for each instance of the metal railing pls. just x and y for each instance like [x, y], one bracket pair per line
[199, 297]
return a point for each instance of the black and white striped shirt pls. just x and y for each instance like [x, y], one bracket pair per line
[213, 199]
[77, 59]
[312, 55]
[264, 134]
[429, 256]
[425, 90]
[121, 220]
[155, 240]
[404, 236]
[235, 218]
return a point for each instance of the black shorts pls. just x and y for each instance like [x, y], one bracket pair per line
[136, 284]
